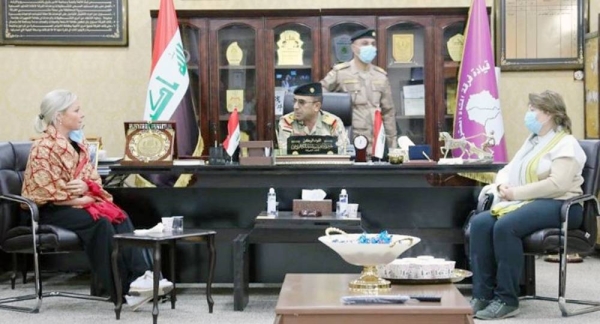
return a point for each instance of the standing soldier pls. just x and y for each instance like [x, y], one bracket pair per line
[308, 118]
[368, 86]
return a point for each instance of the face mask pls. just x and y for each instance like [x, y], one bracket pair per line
[367, 53]
[76, 136]
[532, 123]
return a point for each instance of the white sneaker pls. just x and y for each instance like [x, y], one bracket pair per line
[145, 283]
[135, 302]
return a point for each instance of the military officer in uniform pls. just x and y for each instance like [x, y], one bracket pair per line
[308, 118]
[368, 86]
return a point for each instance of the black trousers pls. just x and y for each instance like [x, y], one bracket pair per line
[97, 238]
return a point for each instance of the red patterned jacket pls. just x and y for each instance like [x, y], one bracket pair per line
[52, 163]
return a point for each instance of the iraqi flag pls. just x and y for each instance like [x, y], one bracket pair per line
[478, 117]
[233, 133]
[169, 79]
[378, 135]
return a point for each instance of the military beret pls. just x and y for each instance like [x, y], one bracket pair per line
[309, 89]
[363, 33]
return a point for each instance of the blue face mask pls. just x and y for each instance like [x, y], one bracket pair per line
[532, 123]
[76, 136]
[367, 53]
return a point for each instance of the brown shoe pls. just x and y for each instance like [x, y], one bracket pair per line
[571, 258]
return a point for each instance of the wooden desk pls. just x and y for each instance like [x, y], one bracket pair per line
[404, 199]
[315, 299]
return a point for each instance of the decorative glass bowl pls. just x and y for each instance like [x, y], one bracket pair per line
[367, 255]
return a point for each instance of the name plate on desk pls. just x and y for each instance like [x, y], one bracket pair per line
[312, 144]
[149, 143]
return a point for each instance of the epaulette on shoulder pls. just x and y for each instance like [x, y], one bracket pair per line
[341, 66]
[289, 119]
[378, 69]
[328, 118]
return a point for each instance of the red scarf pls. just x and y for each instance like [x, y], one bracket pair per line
[102, 207]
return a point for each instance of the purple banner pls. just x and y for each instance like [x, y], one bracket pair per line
[478, 123]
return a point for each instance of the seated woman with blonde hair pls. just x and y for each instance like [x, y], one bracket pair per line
[65, 186]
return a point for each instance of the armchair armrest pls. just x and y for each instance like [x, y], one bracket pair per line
[485, 203]
[33, 209]
[585, 199]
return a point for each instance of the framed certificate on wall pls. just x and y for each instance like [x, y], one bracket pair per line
[539, 35]
[64, 22]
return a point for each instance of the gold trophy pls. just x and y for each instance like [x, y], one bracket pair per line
[455, 47]
[403, 48]
[234, 54]
[235, 100]
[289, 48]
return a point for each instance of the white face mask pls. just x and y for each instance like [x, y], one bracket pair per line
[76, 136]
[367, 53]
[532, 123]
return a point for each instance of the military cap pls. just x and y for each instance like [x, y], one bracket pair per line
[309, 89]
[363, 33]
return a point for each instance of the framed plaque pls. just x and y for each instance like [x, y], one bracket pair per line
[64, 22]
[539, 35]
[592, 86]
[149, 143]
[93, 148]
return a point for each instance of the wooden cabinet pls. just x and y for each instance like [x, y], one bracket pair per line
[412, 47]
[448, 30]
[335, 31]
[405, 50]
[237, 72]
[285, 67]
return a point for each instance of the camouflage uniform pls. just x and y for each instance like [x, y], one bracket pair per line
[369, 90]
[327, 124]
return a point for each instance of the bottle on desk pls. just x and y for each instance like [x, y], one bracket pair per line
[343, 204]
[271, 203]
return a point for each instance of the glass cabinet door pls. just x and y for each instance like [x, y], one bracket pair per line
[403, 51]
[335, 45]
[449, 42]
[236, 73]
[293, 61]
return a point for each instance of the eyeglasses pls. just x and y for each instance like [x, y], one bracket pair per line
[302, 102]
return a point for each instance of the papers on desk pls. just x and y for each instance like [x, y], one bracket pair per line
[266, 217]
[113, 159]
[374, 299]
[189, 162]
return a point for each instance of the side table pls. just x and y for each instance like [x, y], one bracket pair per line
[154, 241]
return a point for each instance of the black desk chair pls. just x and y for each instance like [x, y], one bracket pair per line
[552, 241]
[337, 103]
[16, 238]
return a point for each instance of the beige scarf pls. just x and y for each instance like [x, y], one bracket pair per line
[505, 207]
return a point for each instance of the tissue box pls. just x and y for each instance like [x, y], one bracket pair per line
[323, 206]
